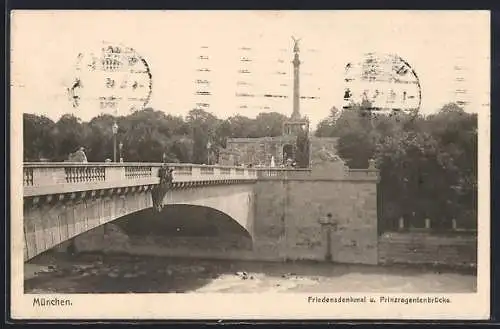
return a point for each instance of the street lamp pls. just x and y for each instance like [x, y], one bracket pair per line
[209, 145]
[115, 131]
[120, 147]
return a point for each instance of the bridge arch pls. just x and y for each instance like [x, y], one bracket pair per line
[179, 229]
[180, 224]
[235, 201]
[223, 222]
[48, 223]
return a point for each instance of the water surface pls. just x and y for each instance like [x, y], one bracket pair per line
[56, 273]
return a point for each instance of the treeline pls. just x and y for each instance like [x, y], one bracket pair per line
[428, 164]
[146, 136]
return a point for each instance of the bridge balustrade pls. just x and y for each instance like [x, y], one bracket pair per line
[27, 176]
[308, 173]
[279, 173]
[183, 170]
[225, 171]
[84, 174]
[53, 178]
[138, 171]
[207, 170]
[362, 173]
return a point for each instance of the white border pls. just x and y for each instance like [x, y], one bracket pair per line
[243, 306]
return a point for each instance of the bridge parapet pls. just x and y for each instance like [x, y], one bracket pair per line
[308, 174]
[363, 174]
[281, 173]
[65, 177]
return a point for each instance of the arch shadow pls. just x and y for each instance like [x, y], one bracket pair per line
[182, 220]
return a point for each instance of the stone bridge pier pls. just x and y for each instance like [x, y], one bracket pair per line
[292, 205]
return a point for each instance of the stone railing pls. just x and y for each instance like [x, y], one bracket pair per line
[362, 174]
[207, 170]
[84, 174]
[27, 176]
[310, 173]
[225, 171]
[137, 172]
[280, 173]
[52, 178]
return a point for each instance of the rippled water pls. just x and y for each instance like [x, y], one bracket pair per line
[122, 274]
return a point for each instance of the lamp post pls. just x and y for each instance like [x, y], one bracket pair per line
[120, 147]
[115, 131]
[209, 145]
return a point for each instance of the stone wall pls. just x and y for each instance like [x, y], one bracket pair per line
[288, 214]
[260, 150]
[425, 248]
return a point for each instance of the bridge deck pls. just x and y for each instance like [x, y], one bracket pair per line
[53, 178]
[66, 177]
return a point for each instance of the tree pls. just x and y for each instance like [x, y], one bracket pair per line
[357, 136]
[428, 165]
[145, 135]
[268, 125]
[99, 141]
[69, 135]
[38, 141]
[325, 127]
[222, 133]
[456, 132]
[200, 142]
[412, 181]
[203, 131]
[241, 126]
[182, 148]
[432, 169]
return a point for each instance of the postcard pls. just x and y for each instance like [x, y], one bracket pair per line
[250, 165]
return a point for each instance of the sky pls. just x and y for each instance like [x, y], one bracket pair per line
[45, 46]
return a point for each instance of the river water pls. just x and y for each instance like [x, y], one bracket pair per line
[97, 273]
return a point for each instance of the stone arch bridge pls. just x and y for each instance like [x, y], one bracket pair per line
[64, 200]
[281, 209]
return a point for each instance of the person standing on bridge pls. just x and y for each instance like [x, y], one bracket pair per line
[79, 155]
[169, 177]
[166, 176]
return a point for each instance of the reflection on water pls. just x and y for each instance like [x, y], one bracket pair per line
[133, 274]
